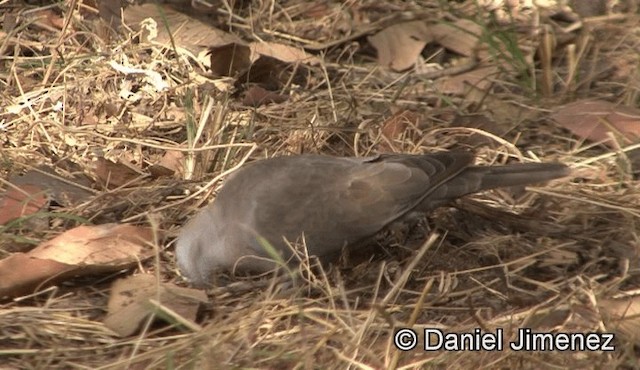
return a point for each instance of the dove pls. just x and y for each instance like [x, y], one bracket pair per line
[329, 203]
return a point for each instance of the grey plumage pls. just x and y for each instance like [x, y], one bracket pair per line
[334, 202]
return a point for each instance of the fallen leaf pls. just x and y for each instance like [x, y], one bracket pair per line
[593, 119]
[272, 74]
[623, 316]
[256, 96]
[174, 28]
[173, 160]
[400, 45]
[134, 299]
[461, 36]
[113, 175]
[110, 13]
[229, 59]
[284, 53]
[158, 170]
[83, 250]
[481, 122]
[50, 18]
[22, 201]
[394, 127]
[316, 9]
[478, 79]
[9, 23]
[20, 274]
[32, 191]
[108, 244]
[66, 191]
[590, 8]
[170, 164]
[464, 38]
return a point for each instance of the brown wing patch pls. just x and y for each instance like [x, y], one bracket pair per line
[359, 190]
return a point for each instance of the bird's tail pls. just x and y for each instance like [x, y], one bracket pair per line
[515, 174]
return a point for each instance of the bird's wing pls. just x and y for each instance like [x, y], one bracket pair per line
[385, 189]
[338, 201]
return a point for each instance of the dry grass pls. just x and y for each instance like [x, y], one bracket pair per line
[557, 258]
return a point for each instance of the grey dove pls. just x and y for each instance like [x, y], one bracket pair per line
[333, 202]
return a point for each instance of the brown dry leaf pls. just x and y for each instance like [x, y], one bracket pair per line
[172, 163]
[112, 175]
[21, 274]
[188, 34]
[285, 53]
[230, 59]
[591, 8]
[481, 122]
[110, 12]
[173, 160]
[108, 245]
[49, 18]
[22, 201]
[158, 171]
[130, 303]
[461, 36]
[256, 96]
[477, 79]
[394, 127]
[593, 119]
[83, 250]
[272, 74]
[32, 191]
[9, 23]
[316, 10]
[110, 16]
[623, 316]
[62, 190]
[400, 45]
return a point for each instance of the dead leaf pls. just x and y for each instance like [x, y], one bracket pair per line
[158, 171]
[256, 96]
[478, 79]
[170, 164]
[187, 34]
[400, 45]
[135, 298]
[20, 274]
[9, 23]
[272, 74]
[110, 109]
[110, 13]
[83, 250]
[22, 201]
[593, 119]
[590, 8]
[230, 59]
[32, 191]
[112, 175]
[623, 316]
[461, 36]
[66, 191]
[395, 126]
[481, 122]
[50, 18]
[284, 53]
[108, 244]
[316, 9]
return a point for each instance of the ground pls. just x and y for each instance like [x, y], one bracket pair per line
[148, 128]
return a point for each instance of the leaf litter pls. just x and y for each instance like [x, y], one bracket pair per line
[559, 257]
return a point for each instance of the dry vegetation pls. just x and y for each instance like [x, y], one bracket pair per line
[562, 257]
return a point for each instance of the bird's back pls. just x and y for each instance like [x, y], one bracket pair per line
[335, 202]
